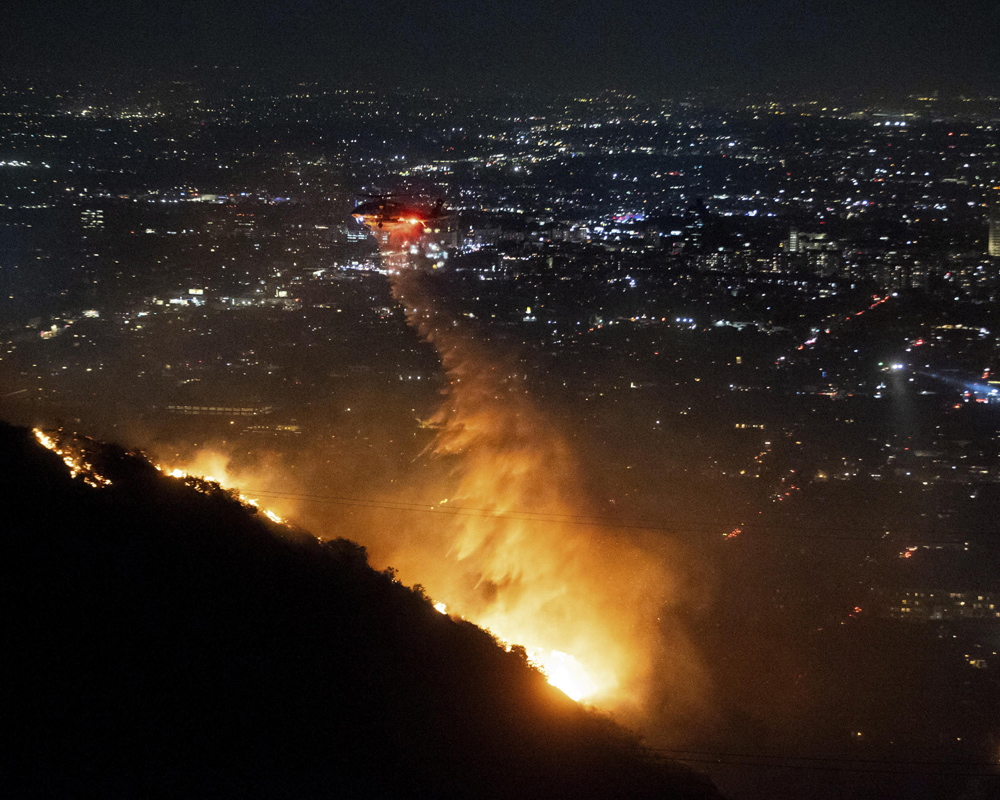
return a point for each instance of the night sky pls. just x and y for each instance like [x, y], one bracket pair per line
[909, 45]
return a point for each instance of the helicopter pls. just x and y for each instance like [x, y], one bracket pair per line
[382, 210]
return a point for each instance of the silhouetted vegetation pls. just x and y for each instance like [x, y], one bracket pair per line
[162, 641]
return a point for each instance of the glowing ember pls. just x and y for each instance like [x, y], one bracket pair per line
[45, 440]
[74, 459]
[207, 481]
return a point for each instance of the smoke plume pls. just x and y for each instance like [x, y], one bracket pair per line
[512, 543]
[511, 549]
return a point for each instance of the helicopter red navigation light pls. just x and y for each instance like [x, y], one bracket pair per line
[397, 223]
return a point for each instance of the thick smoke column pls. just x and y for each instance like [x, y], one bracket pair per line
[592, 606]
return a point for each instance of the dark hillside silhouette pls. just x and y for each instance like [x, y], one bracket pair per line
[164, 642]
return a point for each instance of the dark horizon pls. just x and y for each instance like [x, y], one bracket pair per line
[846, 46]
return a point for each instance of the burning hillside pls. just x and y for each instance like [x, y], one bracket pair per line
[166, 641]
[595, 609]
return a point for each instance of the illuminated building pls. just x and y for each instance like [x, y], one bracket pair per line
[220, 411]
[799, 242]
[944, 605]
[993, 248]
[92, 218]
[822, 254]
[793, 240]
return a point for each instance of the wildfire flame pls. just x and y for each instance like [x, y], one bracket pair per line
[74, 459]
[591, 609]
[565, 673]
[562, 670]
[191, 476]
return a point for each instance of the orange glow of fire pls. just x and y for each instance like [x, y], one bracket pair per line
[74, 459]
[218, 466]
[587, 675]
[592, 609]
[561, 669]
[565, 673]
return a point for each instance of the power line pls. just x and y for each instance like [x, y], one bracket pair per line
[529, 516]
[594, 520]
[841, 759]
[824, 768]
[436, 505]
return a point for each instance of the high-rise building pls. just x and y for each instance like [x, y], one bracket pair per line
[993, 201]
[793, 240]
[819, 253]
[799, 242]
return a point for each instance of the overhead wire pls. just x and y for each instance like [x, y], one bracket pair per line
[839, 758]
[855, 770]
[592, 520]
